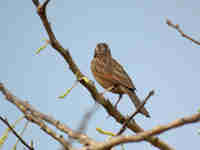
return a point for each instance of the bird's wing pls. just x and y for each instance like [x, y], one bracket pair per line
[120, 75]
[111, 71]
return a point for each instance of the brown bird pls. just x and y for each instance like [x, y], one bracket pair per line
[112, 77]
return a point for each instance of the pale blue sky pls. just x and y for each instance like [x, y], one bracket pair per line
[154, 55]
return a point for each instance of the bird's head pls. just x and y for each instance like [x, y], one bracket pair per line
[102, 49]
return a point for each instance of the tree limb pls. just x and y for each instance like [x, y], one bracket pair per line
[41, 10]
[114, 141]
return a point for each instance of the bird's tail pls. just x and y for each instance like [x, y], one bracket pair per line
[136, 101]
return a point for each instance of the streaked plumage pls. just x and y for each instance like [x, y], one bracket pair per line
[109, 73]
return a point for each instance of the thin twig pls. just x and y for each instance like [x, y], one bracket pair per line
[177, 27]
[21, 134]
[151, 93]
[15, 133]
[36, 2]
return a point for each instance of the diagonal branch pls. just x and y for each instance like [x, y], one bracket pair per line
[16, 134]
[114, 141]
[177, 27]
[38, 118]
[151, 93]
[111, 110]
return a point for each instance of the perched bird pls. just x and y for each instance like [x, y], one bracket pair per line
[112, 77]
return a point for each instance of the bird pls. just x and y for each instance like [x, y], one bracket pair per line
[112, 77]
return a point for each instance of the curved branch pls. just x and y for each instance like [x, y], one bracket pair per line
[111, 110]
[114, 141]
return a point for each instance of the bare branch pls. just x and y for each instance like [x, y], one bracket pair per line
[177, 27]
[151, 93]
[88, 85]
[114, 141]
[16, 134]
[38, 118]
